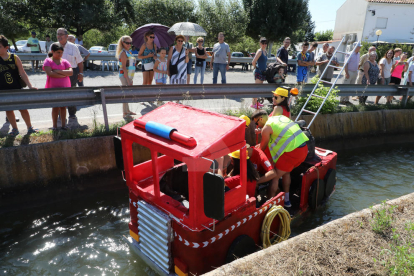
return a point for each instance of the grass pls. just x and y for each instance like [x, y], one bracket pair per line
[381, 223]
[399, 256]
[49, 136]
[376, 241]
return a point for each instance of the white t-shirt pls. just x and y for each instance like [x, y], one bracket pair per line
[387, 67]
[411, 69]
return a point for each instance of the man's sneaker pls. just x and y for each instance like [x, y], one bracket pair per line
[288, 204]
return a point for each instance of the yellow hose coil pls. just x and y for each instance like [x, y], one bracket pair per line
[284, 227]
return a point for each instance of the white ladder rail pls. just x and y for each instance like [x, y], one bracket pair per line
[332, 84]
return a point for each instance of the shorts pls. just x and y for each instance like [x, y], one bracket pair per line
[290, 160]
[143, 68]
[162, 80]
[386, 81]
[395, 80]
[259, 76]
[189, 66]
[35, 52]
[302, 74]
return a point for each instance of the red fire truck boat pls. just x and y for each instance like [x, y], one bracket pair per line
[182, 220]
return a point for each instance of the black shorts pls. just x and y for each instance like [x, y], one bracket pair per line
[395, 80]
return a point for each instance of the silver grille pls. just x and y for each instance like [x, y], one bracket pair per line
[155, 235]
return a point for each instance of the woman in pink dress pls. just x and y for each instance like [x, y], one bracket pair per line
[58, 71]
[398, 68]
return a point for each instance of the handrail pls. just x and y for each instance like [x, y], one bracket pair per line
[109, 57]
[55, 97]
[77, 96]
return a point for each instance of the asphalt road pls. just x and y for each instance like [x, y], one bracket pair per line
[41, 118]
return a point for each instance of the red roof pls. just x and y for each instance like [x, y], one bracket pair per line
[212, 131]
[392, 1]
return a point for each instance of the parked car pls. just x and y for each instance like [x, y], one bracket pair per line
[98, 50]
[237, 54]
[272, 57]
[22, 46]
[112, 49]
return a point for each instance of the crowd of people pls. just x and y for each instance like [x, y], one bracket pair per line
[64, 67]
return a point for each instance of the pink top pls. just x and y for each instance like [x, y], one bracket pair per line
[57, 82]
[397, 73]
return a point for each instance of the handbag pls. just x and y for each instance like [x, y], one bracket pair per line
[174, 67]
[199, 63]
[149, 66]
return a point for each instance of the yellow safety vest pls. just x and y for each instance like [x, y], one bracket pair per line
[286, 136]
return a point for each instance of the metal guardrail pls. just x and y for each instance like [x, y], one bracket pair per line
[109, 57]
[79, 96]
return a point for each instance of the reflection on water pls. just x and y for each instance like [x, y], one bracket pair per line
[88, 237]
[365, 177]
[72, 238]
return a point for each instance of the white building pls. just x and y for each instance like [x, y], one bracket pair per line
[360, 19]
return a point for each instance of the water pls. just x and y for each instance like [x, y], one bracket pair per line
[88, 236]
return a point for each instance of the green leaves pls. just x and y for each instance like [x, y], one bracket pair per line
[314, 103]
[324, 35]
[277, 19]
[224, 16]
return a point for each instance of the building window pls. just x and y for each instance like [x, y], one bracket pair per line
[381, 23]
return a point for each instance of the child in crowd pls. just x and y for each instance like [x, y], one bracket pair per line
[160, 68]
[58, 71]
[279, 76]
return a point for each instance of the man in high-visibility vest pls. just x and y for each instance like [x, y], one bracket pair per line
[287, 146]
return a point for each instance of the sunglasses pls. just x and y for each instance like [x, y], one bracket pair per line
[180, 40]
[257, 122]
[152, 37]
[263, 42]
[128, 43]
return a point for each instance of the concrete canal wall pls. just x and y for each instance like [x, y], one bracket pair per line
[55, 163]
[51, 164]
[346, 246]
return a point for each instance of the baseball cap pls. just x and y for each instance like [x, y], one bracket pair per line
[281, 92]
[247, 119]
[357, 44]
[236, 154]
[34, 32]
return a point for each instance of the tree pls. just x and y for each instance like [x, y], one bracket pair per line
[165, 12]
[277, 19]
[10, 21]
[77, 16]
[227, 16]
[324, 35]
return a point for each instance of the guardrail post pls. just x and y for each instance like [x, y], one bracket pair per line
[105, 113]
[404, 91]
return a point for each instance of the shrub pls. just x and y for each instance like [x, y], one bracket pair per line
[314, 103]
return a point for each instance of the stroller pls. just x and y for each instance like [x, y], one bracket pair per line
[270, 72]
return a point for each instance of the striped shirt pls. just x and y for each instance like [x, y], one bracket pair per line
[181, 76]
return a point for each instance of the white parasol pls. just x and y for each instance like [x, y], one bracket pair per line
[187, 28]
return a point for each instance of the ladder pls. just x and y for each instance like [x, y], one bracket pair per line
[312, 94]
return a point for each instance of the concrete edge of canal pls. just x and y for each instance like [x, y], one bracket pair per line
[57, 163]
[345, 246]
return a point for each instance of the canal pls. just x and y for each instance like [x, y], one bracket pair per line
[88, 236]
